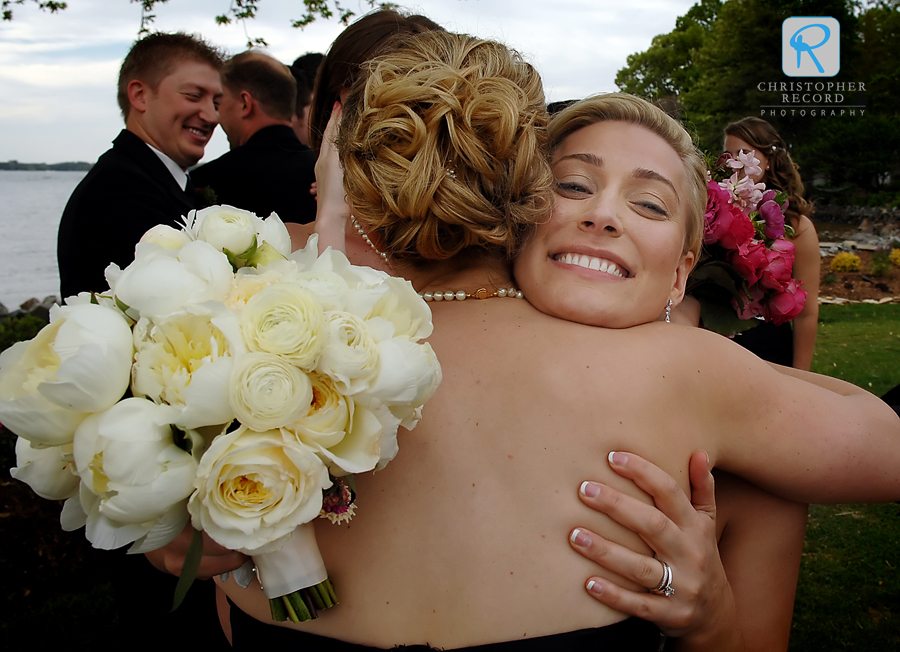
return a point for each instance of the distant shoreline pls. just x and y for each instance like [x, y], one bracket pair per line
[71, 166]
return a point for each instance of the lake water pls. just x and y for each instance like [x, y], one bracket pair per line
[31, 204]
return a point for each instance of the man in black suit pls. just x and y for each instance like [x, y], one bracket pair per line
[169, 90]
[268, 169]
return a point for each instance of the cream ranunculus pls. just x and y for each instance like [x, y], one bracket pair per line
[131, 471]
[161, 281]
[268, 392]
[227, 228]
[166, 237]
[185, 361]
[79, 363]
[50, 472]
[255, 488]
[350, 356]
[286, 320]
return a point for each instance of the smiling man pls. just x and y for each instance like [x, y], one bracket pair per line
[169, 92]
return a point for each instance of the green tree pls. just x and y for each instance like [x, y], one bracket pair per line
[666, 69]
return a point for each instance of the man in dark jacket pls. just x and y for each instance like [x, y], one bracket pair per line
[169, 90]
[268, 169]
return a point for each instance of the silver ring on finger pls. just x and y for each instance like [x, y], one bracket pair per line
[665, 585]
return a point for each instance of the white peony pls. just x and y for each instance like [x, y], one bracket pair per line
[255, 488]
[50, 472]
[286, 320]
[161, 281]
[79, 363]
[185, 361]
[267, 392]
[132, 472]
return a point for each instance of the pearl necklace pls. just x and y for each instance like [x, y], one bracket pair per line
[480, 293]
[459, 295]
[365, 237]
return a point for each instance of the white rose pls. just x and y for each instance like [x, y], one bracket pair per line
[160, 282]
[166, 237]
[79, 363]
[227, 228]
[185, 361]
[255, 488]
[286, 320]
[268, 392]
[132, 472]
[50, 472]
[346, 435]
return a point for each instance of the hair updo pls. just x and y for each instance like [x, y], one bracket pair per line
[443, 143]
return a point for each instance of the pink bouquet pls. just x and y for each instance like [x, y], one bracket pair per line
[744, 273]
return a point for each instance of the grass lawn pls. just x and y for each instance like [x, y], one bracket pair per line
[848, 597]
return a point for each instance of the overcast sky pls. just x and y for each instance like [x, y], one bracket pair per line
[58, 71]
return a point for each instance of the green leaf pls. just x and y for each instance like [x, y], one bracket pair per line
[189, 570]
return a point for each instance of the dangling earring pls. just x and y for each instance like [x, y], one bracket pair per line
[669, 311]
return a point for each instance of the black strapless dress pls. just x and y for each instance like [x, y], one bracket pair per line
[769, 342]
[631, 635]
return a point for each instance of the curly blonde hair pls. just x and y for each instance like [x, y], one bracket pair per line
[634, 110]
[443, 143]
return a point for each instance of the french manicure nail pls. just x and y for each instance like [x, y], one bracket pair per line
[580, 539]
[595, 587]
[590, 489]
[618, 459]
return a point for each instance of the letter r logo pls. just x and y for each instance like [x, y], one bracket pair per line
[810, 46]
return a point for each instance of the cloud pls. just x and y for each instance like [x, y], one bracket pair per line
[58, 71]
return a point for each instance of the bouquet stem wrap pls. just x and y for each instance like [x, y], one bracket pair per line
[294, 578]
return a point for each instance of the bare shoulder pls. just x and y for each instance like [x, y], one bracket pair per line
[805, 232]
[300, 233]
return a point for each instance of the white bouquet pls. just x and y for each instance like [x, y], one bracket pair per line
[222, 380]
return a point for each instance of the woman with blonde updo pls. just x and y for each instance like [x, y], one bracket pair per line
[458, 541]
[794, 344]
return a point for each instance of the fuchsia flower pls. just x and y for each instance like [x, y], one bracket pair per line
[757, 265]
[785, 305]
[773, 215]
[725, 224]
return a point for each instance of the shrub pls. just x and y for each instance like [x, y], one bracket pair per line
[18, 329]
[895, 257]
[880, 264]
[845, 262]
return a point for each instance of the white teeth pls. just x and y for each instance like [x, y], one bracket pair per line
[590, 262]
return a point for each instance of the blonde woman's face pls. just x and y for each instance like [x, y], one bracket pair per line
[611, 254]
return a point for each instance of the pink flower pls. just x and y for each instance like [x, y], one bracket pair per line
[784, 306]
[750, 260]
[776, 274]
[724, 223]
[747, 161]
[752, 304]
